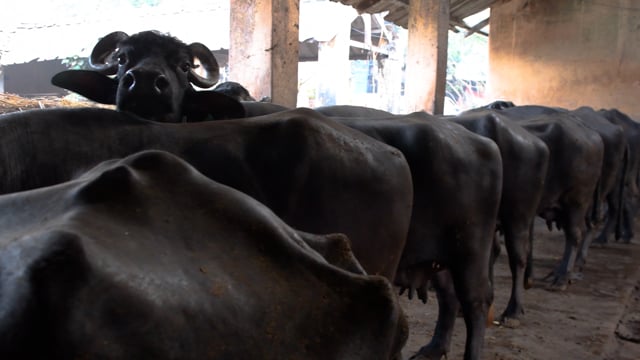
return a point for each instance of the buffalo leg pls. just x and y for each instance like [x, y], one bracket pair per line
[627, 228]
[528, 270]
[468, 287]
[447, 309]
[607, 230]
[495, 253]
[517, 244]
[475, 293]
[612, 219]
[584, 249]
[573, 232]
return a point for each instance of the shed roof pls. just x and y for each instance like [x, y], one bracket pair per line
[399, 10]
[74, 31]
[65, 28]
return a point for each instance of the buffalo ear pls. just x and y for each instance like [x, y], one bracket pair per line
[211, 105]
[90, 84]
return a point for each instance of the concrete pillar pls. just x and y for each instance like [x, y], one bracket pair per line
[426, 71]
[263, 53]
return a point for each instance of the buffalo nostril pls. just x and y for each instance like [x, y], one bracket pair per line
[161, 84]
[129, 80]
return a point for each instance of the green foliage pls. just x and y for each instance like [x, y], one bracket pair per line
[141, 3]
[467, 66]
[76, 62]
[467, 52]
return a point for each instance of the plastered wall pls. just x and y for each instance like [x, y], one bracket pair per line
[566, 53]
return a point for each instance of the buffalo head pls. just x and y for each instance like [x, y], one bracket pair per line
[152, 75]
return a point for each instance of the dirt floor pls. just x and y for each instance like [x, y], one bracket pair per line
[597, 317]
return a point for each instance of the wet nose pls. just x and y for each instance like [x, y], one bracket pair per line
[145, 81]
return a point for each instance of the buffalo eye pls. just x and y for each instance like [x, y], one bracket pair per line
[185, 66]
[122, 59]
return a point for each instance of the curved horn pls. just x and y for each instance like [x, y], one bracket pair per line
[208, 62]
[100, 58]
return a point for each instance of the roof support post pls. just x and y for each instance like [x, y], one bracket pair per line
[427, 55]
[263, 53]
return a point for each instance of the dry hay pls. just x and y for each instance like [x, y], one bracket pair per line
[12, 103]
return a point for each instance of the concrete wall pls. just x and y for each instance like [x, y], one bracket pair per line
[33, 79]
[566, 53]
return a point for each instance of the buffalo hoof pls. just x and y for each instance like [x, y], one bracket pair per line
[528, 283]
[559, 282]
[557, 286]
[429, 353]
[576, 276]
[490, 315]
[510, 318]
[511, 323]
[625, 237]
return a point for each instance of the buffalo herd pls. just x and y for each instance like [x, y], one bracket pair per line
[199, 224]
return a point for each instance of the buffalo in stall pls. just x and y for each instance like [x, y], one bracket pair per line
[316, 174]
[608, 202]
[524, 165]
[609, 191]
[145, 257]
[575, 167]
[234, 90]
[610, 197]
[631, 177]
[525, 159]
[497, 105]
[154, 78]
[457, 179]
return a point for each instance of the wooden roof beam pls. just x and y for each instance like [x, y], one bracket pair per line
[476, 28]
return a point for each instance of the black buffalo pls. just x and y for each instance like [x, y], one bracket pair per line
[234, 90]
[498, 105]
[609, 191]
[630, 190]
[609, 199]
[525, 159]
[575, 167]
[146, 258]
[457, 179]
[316, 174]
[154, 74]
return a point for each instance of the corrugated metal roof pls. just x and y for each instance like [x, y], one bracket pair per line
[399, 9]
